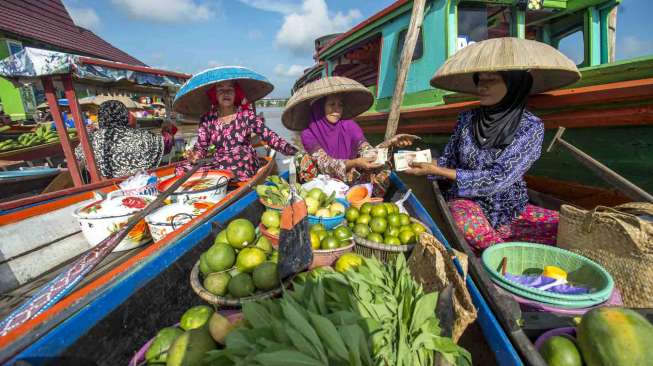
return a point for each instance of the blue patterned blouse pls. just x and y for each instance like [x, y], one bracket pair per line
[493, 178]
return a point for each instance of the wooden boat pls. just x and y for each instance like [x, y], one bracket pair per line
[524, 327]
[112, 315]
[55, 240]
[610, 106]
[24, 183]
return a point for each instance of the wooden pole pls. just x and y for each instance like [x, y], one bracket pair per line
[412, 34]
[608, 175]
[68, 152]
[69, 91]
[612, 34]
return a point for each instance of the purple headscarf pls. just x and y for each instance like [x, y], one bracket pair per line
[339, 140]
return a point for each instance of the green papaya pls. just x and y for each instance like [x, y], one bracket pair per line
[610, 336]
[189, 349]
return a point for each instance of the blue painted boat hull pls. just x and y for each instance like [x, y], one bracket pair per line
[118, 320]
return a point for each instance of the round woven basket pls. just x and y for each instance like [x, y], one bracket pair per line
[531, 258]
[212, 299]
[323, 257]
[384, 252]
[274, 239]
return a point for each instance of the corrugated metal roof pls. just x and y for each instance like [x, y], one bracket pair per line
[48, 21]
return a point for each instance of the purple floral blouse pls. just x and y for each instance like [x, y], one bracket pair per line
[232, 142]
[493, 178]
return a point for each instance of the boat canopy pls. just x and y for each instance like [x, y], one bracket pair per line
[30, 64]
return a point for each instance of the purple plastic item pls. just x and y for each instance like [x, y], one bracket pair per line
[531, 305]
[540, 282]
[139, 356]
[569, 332]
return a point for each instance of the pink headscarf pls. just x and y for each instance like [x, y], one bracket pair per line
[239, 101]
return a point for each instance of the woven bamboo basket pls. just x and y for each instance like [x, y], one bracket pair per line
[384, 252]
[212, 299]
[323, 257]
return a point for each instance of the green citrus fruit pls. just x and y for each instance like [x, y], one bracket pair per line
[312, 205]
[392, 231]
[216, 283]
[366, 208]
[158, 351]
[391, 207]
[394, 220]
[417, 228]
[364, 219]
[342, 233]
[274, 231]
[352, 214]
[560, 351]
[221, 237]
[329, 243]
[375, 237]
[274, 257]
[204, 266]
[351, 225]
[271, 218]
[317, 227]
[241, 285]
[322, 234]
[361, 230]
[404, 219]
[249, 258]
[379, 211]
[316, 193]
[240, 232]
[220, 256]
[266, 277]
[378, 224]
[264, 244]
[348, 261]
[344, 243]
[195, 317]
[407, 237]
[315, 240]
[391, 240]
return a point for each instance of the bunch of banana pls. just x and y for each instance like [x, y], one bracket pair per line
[43, 134]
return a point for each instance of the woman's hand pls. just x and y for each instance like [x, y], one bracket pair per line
[192, 156]
[363, 164]
[401, 140]
[423, 168]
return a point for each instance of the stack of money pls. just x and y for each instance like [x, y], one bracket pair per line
[403, 159]
[379, 154]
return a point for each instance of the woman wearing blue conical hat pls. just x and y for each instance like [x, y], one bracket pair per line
[222, 96]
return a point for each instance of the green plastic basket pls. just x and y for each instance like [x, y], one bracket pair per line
[530, 259]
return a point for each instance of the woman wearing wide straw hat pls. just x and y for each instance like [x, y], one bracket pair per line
[334, 143]
[493, 146]
[223, 95]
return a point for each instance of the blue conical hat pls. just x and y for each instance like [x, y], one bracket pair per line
[192, 99]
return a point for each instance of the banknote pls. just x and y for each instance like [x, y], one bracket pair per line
[379, 154]
[403, 159]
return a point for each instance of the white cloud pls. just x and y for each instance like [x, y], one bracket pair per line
[633, 46]
[292, 71]
[84, 17]
[302, 25]
[167, 11]
[300, 29]
[284, 7]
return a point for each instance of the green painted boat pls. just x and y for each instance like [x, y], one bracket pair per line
[608, 113]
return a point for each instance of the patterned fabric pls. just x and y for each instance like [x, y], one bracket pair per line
[121, 150]
[310, 166]
[232, 143]
[493, 178]
[534, 225]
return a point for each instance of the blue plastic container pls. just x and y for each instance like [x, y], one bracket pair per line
[329, 222]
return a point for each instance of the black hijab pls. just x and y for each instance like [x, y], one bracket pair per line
[495, 126]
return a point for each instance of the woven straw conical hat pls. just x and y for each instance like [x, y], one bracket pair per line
[356, 99]
[549, 67]
[191, 99]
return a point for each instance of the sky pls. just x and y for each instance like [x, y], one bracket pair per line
[273, 37]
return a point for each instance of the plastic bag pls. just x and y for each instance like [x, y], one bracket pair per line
[327, 185]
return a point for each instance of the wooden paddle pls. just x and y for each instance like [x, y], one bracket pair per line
[63, 284]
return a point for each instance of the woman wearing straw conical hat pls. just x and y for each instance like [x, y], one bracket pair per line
[335, 145]
[222, 95]
[494, 145]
